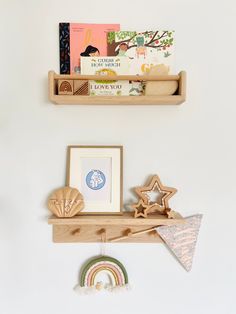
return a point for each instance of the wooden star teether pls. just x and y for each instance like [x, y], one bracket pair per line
[159, 203]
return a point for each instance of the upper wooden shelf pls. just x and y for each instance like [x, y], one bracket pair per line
[120, 228]
[127, 218]
[176, 99]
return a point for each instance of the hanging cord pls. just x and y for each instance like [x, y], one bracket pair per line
[103, 242]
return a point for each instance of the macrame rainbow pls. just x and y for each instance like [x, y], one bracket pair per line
[106, 264]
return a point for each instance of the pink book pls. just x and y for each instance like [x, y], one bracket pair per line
[88, 40]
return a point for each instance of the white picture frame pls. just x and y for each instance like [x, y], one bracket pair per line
[97, 172]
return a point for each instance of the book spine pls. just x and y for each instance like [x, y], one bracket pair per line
[64, 42]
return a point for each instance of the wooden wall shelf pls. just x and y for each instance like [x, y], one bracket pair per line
[117, 100]
[91, 228]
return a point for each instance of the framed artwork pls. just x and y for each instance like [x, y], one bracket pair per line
[97, 172]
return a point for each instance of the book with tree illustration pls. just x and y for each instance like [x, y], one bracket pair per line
[86, 39]
[106, 66]
[143, 49]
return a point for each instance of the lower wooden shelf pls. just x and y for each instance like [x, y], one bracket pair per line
[95, 228]
[176, 99]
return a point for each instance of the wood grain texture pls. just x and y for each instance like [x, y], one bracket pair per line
[65, 87]
[118, 100]
[126, 219]
[158, 88]
[66, 202]
[69, 234]
[117, 77]
[161, 205]
[88, 228]
[182, 84]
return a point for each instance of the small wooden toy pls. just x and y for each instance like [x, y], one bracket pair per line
[66, 202]
[160, 88]
[90, 279]
[81, 87]
[165, 193]
[140, 209]
[160, 203]
[65, 87]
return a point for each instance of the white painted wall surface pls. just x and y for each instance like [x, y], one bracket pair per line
[191, 147]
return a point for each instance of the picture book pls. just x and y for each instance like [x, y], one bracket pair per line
[106, 66]
[64, 41]
[78, 39]
[143, 49]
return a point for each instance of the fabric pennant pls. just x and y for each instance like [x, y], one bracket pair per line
[181, 239]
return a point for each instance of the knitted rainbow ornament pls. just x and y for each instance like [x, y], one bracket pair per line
[97, 267]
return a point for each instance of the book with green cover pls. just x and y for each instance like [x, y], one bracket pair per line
[143, 49]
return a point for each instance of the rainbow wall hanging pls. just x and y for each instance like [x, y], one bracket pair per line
[98, 268]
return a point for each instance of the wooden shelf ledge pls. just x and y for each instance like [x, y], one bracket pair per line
[176, 99]
[89, 228]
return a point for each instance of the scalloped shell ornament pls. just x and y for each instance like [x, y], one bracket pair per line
[66, 202]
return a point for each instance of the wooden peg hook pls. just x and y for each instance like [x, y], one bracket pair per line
[128, 232]
[103, 234]
[76, 231]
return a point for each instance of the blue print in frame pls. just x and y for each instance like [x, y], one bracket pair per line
[95, 179]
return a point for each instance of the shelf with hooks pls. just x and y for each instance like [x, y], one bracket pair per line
[122, 228]
[176, 99]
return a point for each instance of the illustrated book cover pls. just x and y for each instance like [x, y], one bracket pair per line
[106, 66]
[81, 38]
[143, 49]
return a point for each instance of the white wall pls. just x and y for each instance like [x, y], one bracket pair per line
[191, 147]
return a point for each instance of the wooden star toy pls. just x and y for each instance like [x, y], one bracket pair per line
[141, 209]
[160, 203]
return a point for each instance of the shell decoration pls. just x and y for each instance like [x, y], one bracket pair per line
[66, 202]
